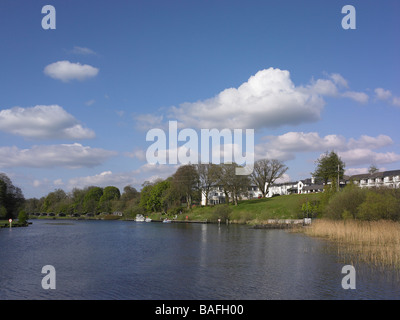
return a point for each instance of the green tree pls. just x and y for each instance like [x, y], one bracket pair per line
[22, 217]
[11, 197]
[109, 195]
[53, 199]
[185, 182]
[91, 199]
[329, 166]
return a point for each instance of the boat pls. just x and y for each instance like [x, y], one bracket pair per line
[166, 220]
[147, 219]
[139, 218]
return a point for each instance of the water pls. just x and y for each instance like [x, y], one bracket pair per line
[156, 261]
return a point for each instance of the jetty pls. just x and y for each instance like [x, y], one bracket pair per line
[283, 223]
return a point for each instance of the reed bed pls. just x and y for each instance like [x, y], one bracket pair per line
[375, 242]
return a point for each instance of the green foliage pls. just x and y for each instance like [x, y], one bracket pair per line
[22, 217]
[345, 202]
[222, 212]
[380, 205]
[11, 197]
[310, 209]
[327, 167]
[91, 199]
[354, 202]
[3, 212]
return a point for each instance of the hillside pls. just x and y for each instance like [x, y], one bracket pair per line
[254, 211]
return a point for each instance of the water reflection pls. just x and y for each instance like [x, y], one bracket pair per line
[129, 260]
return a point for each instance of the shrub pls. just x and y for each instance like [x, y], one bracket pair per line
[379, 205]
[222, 212]
[345, 202]
[22, 217]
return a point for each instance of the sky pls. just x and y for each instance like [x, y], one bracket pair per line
[77, 101]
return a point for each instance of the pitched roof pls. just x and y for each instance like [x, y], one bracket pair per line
[383, 174]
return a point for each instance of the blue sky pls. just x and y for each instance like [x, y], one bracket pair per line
[76, 102]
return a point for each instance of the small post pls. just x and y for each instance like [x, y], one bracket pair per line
[10, 221]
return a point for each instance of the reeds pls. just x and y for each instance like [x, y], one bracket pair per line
[376, 242]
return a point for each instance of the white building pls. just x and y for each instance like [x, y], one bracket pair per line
[217, 195]
[390, 179]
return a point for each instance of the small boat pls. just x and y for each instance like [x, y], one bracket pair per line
[139, 218]
[147, 219]
[166, 220]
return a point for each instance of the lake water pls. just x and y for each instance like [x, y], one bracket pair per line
[156, 261]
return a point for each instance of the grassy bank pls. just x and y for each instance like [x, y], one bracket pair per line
[15, 223]
[374, 242]
[254, 211]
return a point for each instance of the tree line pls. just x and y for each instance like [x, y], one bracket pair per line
[176, 193]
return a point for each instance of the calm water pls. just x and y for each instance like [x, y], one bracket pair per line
[131, 260]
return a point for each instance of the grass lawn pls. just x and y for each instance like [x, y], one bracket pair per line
[257, 210]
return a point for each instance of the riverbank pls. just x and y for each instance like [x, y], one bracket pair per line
[252, 212]
[374, 242]
[14, 224]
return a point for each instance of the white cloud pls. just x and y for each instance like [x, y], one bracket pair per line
[353, 151]
[396, 101]
[366, 156]
[339, 80]
[147, 172]
[267, 99]
[43, 122]
[66, 71]
[360, 97]
[51, 156]
[90, 102]
[382, 94]
[82, 51]
[149, 121]
[386, 95]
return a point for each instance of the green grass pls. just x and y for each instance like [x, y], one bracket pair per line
[6, 224]
[257, 210]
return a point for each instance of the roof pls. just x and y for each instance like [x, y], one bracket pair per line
[314, 187]
[383, 174]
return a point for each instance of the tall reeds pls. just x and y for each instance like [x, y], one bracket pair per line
[376, 242]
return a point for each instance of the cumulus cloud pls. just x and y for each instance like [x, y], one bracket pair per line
[51, 156]
[386, 95]
[267, 99]
[353, 151]
[147, 172]
[364, 156]
[43, 122]
[66, 71]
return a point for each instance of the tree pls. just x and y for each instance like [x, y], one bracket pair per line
[329, 165]
[130, 193]
[232, 183]
[53, 200]
[266, 172]
[207, 178]
[11, 197]
[372, 169]
[91, 199]
[185, 182]
[22, 217]
[110, 194]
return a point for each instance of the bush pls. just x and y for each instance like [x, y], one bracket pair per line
[345, 203]
[22, 217]
[379, 205]
[221, 212]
